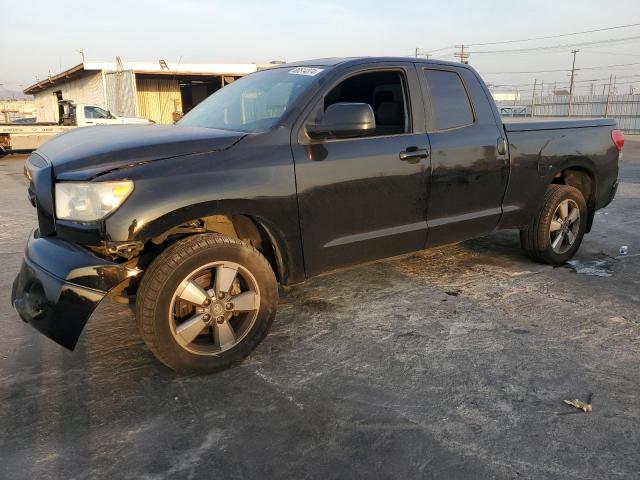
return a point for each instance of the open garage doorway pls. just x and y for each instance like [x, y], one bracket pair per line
[165, 98]
[193, 91]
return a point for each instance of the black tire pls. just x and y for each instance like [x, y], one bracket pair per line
[536, 239]
[162, 280]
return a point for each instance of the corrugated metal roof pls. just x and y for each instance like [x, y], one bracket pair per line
[231, 69]
[174, 67]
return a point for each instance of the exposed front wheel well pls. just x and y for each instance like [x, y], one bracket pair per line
[241, 227]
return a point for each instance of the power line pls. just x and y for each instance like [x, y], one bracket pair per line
[555, 36]
[556, 47]
[611, 66]
[560, 86]
[563, 82]
[562, 69]
[529, 71]
[535, 38]
[440, 49]
[514, 85]
[613, 53]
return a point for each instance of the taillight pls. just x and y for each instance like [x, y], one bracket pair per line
[618, 139]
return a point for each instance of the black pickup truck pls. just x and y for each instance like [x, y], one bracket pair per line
[283, 175]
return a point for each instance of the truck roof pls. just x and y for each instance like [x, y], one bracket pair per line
[335, 61]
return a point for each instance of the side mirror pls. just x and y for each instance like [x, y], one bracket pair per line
[344, 120]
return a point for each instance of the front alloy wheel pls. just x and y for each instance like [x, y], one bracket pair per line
[214, 307]
[206, 302]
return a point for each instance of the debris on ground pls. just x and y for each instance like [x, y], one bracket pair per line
[623, 250]
[580, 405]
[596, 268]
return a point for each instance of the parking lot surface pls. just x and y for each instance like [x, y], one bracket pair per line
[449, 363]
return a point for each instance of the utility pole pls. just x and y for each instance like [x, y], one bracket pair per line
[461, 54]
[417, 52]
[606, 108]
[533, 96]
[573, 70]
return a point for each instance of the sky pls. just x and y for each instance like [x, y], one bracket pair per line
[42, 37]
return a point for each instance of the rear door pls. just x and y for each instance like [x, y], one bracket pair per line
[468, 173]
[358, 199]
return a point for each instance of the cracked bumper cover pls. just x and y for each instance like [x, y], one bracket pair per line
[59, 286]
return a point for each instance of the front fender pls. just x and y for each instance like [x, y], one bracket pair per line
[282, 231]
[255, 179]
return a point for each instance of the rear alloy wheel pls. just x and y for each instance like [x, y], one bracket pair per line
[564, 226]
[556, 234]
[205, 303]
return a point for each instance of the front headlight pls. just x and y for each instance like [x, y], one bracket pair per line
[90, 201]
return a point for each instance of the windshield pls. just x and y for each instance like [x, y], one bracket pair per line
[253, 103]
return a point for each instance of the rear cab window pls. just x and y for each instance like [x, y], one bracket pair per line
[449, 102]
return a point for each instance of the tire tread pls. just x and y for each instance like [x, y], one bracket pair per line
[533, 239]
[156, 277]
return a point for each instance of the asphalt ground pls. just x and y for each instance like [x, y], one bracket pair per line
[449, 363]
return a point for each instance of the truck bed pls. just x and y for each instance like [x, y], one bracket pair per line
[27, 136]
[35, 124]
[524, 124]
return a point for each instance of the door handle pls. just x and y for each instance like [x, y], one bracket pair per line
[414, 154]
[502, 146]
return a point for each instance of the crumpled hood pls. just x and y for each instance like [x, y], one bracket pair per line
[85, 153]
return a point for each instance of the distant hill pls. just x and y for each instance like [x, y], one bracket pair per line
[10, 93]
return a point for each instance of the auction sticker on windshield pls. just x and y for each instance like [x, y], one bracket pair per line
[306, 71]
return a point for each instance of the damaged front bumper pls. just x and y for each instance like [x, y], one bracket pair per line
[59, 286]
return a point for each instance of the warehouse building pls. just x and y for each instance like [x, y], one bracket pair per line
[157, 91]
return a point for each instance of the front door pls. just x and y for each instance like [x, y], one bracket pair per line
[359, 198]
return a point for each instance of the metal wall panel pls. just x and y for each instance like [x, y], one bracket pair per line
[158, 99]
[121, 92]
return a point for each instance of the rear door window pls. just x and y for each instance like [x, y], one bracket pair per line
[450, 104]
